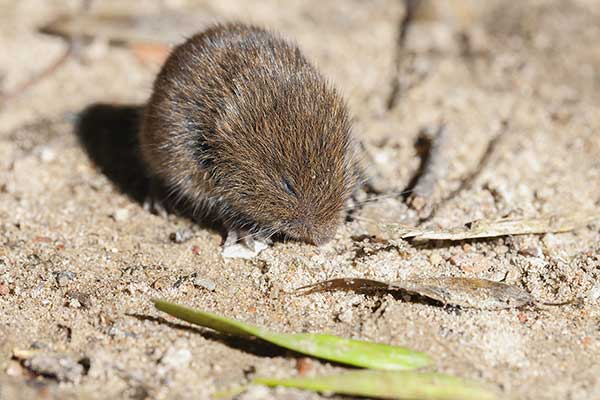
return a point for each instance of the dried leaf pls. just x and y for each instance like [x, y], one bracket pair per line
[389, 385]
[495, 228]
[465, 292]
[328, 347]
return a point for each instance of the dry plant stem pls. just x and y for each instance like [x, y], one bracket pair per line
[435, 166]
[39, 77]
[411, 7]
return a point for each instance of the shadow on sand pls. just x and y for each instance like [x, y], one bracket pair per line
[109, 135]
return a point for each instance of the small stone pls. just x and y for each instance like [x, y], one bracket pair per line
[204, 283]
[73, 303]
[472, 268]
[435, 259]
[243, 250]
[38, 345]
[160, 283]
[4, 289]
[595, 292]
[345, 315]
[499, 276]
[455, 260]
[418, 202]
[63, 277]
[304, 366]
[176, 357]
[47, 154]
[502, 249]
[120, 215]
[531, 252]
[14, 369]
[58, 366]
[78, 299]
[181, 236]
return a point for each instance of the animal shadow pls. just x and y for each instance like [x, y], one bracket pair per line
[109, 135]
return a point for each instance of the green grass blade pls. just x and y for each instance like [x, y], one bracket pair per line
[351, 352]
[389, 385]
[207, 320]
[328, 347]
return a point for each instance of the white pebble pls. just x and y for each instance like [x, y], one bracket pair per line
[595, 292]
[176, 357]
[120, 215]
[205, 283]
[47, 154]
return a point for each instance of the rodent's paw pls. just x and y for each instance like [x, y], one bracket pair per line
[155, 206]
[153, 202]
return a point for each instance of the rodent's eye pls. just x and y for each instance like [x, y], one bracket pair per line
[287, 186]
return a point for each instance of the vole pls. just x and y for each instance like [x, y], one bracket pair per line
[243, 126]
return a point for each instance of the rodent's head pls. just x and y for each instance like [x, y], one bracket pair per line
[292, 169]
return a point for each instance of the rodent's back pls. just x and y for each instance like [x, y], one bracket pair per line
[239, 120]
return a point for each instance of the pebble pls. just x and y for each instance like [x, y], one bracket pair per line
[176, 357]
[345, 315]
[181, 236]
[14, 369]
[58, 366]
[76, 299]
[502, 249]
[595, 292]
[63, 277]
[73, 303]
[435, 259]
[532, 252]
[47, 154]
[241, 250]
[303, 366]
[4, 289]
[204, 283]
[120, 214]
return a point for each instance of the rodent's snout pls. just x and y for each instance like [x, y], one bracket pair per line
[308, 232]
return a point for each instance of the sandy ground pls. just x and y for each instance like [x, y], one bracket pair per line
[80, 258]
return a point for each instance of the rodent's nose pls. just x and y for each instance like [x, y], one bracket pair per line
[307, 232]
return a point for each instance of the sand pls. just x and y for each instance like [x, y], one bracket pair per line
[80, 257]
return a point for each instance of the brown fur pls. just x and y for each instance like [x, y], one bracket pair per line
[241, 123]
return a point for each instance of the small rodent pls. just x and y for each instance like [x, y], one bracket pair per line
[243, 126]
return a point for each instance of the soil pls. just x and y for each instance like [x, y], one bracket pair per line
[80, 258]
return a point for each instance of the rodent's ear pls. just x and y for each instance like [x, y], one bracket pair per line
[287, 186]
